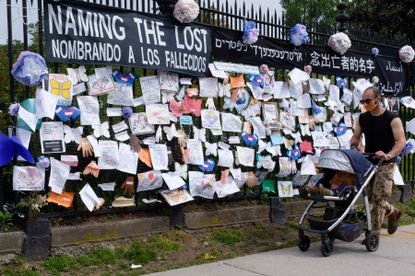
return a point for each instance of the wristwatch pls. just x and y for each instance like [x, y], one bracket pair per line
[388, 157]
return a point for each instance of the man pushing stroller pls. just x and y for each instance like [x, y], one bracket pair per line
[385, 137]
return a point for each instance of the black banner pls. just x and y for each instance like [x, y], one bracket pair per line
[351, 64]
[392, 75]
[390, 72]
[227, 45]
[90, 34]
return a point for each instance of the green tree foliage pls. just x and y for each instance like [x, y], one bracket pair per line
[388, 18]
[321, 13]
[19, 89]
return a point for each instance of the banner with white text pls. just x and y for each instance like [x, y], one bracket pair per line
[82, 33]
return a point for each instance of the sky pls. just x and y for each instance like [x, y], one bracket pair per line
[17, 20]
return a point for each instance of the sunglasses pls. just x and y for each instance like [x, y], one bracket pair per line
[366, 101]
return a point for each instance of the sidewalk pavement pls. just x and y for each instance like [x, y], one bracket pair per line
[395, 256]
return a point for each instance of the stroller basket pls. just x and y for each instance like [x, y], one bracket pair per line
[345, 231]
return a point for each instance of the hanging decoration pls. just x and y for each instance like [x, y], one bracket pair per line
[406, 54]
[126, 112]
[14, 109]
[339, 43]
[186, 11]
[30, 68]
[375, 51]
[298, 35]
[251, 32]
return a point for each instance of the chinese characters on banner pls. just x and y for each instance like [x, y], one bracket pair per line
[350, 64]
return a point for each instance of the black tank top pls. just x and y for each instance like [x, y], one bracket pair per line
[378, 131]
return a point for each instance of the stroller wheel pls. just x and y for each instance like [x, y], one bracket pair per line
[326, 247]
[372, 241]
[304, 243]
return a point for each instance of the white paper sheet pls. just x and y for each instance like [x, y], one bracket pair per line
[304, 101]
[122, 95]
[159, 156]
[59, 173]
[99, 86]
[196, 152]
[89, 107]
[208, 87]
[139, 124]
[45, 104]
[150, 88]
[74, 176]
[107, 187]
[201, 184]
[285, 189]
[297, 76]
[319, 139]
[138, 101]
[234, 140]
[24, 137]
[89, 197]
[118, 127]
[95, 145]
[361, 84]
[344, 140]
[102, 72]
[397, 177]
[172, 180]
[231, 123]
[210, 119]
[52, 137]
[408, 101]
[61, 86]
[217, 73]
[109, 158]
[73, 134]
[28, 178]
[176, 197]
[259, 127]
[226, 189]
[28, 117]
[225, 158]
[149, 180]
[158, 114]
[114, 112]
[122, 136]
[281, 90]
[307, 167]
[79, 89]
[410, 126]
[129, 159]
[245, 156]
[270, 112]
[316, 86]
[169, 81]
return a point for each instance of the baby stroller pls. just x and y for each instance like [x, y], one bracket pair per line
[340, 220]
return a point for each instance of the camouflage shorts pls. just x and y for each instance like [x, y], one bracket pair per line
[379, 190]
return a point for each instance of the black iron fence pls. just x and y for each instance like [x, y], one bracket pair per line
[25, 32]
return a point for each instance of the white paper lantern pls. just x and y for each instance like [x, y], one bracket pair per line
[406, 54]
[340, 43]
[186, 11]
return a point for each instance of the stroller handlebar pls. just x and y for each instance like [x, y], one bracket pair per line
[371, 155]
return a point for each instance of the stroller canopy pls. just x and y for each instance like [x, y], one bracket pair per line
[350, 161]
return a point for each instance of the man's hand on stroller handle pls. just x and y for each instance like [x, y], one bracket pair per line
[380, 154]
[360, 148]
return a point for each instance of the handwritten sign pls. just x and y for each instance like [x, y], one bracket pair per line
[28, 178]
